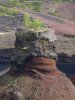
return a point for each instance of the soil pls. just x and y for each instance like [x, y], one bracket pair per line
[64, 9]
[52, 85]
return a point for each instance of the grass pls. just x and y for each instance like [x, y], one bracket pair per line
[12, 3]
[8, 11]
[27, 21]
[9, 3]
[37, 6]
[34, 5]
[54, 12]
[36, 24]
[32, 23]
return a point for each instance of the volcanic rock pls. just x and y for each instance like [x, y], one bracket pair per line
[39, 79]
[31, 43]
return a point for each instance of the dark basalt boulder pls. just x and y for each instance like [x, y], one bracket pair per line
[30, 43]
[35, 43]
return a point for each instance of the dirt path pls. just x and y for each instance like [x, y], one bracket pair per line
[59, 24]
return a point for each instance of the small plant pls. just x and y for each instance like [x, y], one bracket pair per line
[57, 1]
[37, 6]
[9, 3]
[36, 24]
[27, 21]
[7, 11]
[54, 12]
[12, 12]
[32, 23]
[12, 2]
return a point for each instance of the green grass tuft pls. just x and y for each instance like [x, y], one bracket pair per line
[8, 11]
[32, 23]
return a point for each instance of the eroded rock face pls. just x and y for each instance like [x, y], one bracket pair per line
[40, 79]
[30, 43]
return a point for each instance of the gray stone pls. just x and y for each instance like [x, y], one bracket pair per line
[7, 40]
[17, 96]
[50, 35]
[31, 43]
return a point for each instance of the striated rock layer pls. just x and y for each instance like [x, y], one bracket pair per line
[41, 81]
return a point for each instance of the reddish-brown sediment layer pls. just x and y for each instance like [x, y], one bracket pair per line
[41, 81]
[44, 67]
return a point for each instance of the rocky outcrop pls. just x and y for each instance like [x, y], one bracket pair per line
[39, 78]
[41, 81]
[31, 43]
[8, 23]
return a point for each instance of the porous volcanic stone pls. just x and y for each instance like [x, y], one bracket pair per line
[31, 43]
